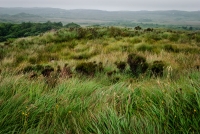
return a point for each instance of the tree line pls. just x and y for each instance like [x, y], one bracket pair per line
[11, 31]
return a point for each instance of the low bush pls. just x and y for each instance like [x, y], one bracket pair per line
[87, 68]
[121, 65]
[157, 68]
[72, 25]
[137, 63]
[99, 67]
[114, 32]
[47, 71]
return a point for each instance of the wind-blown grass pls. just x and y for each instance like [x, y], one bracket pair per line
[89, 106]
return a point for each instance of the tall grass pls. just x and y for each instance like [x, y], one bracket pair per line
[91, 106]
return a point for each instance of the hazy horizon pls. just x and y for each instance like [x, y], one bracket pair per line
[104, 9]
[111, 5]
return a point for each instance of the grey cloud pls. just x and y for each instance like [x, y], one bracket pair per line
[107, 4]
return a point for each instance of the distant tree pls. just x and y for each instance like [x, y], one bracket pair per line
[72, 25]
[58, 24]
[25, 25]
[183, 27]
[149, 30]
[190, 28]
[138, 28]
[8, 30]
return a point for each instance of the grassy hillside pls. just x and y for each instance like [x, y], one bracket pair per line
[101, 80]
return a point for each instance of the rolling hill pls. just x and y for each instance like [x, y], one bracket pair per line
[172, 17]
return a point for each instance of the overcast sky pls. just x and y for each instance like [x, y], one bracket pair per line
[109, 5]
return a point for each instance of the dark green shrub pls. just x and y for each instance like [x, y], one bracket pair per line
[81, 33]
[138, 28]
[72, 25]
[114, 32]
[157, 68]
[28, 69]
[87, 68]
[47, 71]
[137, 64]
[38, 68]
[33, 75]
[99, 67]
[197, 67]
[110, 73]
[148, 30]
[121, 65]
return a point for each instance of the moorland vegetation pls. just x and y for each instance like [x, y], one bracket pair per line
[101, 80]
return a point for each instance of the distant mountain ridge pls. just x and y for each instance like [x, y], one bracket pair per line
[99, 16]
[21, 17]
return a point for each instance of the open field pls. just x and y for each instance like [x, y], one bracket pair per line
[101, 80]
